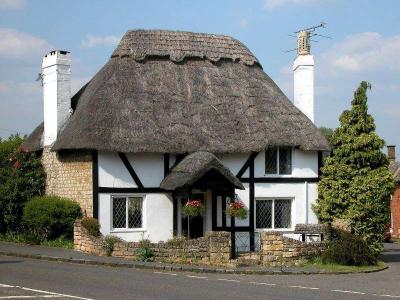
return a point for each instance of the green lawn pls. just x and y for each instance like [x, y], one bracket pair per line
[60, 242]
[334, 268]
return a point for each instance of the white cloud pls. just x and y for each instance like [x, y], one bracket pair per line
[368, 51]
[16, 44]
[271, 4]
[92, 41]
[12, 4]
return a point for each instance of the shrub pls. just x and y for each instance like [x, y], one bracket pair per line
[109, 242]
[348, 249]
[50, 217]
[144, 252]
[92, 226]
[22, 177]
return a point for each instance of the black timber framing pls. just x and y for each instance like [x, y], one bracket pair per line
[320, 162]
[130, 169]
[95, 179]
[166, 164]
[246, 164]
[148, 190]
[251, 205]
[279, 179]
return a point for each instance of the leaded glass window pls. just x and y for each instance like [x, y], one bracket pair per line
[278, 160]
[273, 213]
[127, 212]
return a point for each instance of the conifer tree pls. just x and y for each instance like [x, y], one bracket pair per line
[356, 183]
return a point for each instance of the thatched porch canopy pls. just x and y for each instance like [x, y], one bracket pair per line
[194, 167]
[182, 92]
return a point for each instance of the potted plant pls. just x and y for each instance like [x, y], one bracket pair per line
[237, 209]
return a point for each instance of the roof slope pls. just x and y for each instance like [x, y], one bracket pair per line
[394, 166]
[34, 141]
[181, 92]
[193, 167]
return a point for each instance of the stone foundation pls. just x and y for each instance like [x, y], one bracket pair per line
[69, 175]
[277, 250]
[212, 249]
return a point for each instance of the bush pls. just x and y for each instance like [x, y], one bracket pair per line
[22, 177]
[109, 242]
[144, 252]
[92, 226]
[50, 217]
[347, 249]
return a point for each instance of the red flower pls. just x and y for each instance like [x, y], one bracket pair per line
[17, 164]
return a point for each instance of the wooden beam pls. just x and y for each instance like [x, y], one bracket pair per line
[130, 169]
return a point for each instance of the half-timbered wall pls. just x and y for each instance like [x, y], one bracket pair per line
[115, 178]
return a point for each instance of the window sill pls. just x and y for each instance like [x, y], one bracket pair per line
[122, 230]
[274, 229]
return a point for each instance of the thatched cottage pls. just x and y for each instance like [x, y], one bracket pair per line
[174, 116]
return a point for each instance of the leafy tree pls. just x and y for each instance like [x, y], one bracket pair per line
[356, 183]
[327, 132]
[21, 177]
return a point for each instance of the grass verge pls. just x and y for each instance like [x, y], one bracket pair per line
[336, 268]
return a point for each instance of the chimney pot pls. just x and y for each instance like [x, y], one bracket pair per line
[391, 152]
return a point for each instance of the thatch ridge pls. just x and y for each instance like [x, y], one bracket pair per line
[180, 45]
[193, 167]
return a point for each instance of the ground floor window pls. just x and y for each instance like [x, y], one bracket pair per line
[273, 213]
[127, 212]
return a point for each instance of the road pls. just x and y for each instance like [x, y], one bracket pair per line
[36, 279]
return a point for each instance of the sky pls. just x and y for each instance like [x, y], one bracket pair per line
[364, 45]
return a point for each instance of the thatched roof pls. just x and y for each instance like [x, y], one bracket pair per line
[193, 167]
[181, 92]
[394, 166]
[34, 141]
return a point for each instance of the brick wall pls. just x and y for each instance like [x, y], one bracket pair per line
[395, 210]
[69, 175]
[277, 250]
[212, 249]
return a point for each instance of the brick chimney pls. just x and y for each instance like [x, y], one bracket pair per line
[56, 78]
[391, 152]
[303, 71]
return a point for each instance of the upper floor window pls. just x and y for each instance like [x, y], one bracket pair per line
[127, 212]
[278, 160]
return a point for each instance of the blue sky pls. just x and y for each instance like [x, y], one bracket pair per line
[365, 45]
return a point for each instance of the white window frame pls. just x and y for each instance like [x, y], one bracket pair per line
[277, 162]
[126, 229]
[291, 228]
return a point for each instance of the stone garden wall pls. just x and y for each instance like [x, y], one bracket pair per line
[278, 250]
[212, 249]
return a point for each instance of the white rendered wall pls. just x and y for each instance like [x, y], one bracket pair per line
[157, 218]
[303, 69]
[148, 166]
[56, 74]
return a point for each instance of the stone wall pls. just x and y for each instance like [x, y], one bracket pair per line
[69, 175]
[277, 250]
[212, 249]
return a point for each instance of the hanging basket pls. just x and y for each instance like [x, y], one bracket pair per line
[237, 210]
[193, 208]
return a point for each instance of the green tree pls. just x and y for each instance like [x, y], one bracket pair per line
[21, 177]
[356, 183]
[327, 132]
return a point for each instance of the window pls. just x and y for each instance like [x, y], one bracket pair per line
[127, 212]
[273, 213]
[278, 160]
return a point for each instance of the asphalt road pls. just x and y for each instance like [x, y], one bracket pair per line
[36, 279]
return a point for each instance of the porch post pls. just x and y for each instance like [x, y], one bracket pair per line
[233, 238]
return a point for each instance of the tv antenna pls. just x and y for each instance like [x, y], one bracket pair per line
[304, 38]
